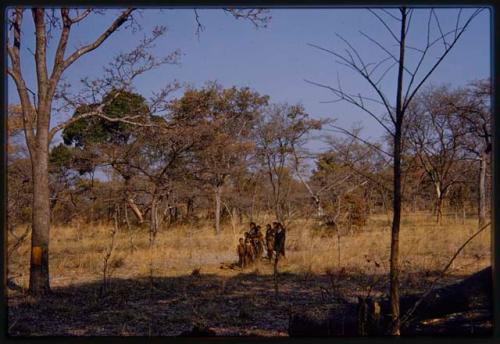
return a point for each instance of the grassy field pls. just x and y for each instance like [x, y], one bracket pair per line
[186, 277]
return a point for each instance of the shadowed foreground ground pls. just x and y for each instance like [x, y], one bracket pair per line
[243, 304]
[319, 271]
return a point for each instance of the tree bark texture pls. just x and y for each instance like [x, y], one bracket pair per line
[39, 263]
[396, 219]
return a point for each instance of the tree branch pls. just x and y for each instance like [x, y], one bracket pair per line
[98, 112]
[61, 49]
[122, 18]
[407, 100]
[40, 56]
[346, 132]
[15, 72]
[346, 97]
[385, 24]
[81, 16]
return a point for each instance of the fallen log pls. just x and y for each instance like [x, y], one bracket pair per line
[474, 292]
[473, 295]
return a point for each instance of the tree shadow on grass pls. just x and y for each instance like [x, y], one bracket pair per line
[243, 305]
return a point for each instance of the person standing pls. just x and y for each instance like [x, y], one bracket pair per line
[269, 241]
[279, 240]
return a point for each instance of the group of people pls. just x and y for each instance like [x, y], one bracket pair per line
[254, 243]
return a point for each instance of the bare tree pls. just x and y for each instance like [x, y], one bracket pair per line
[475, 116]
[436, 138]
[392, 118]
[282, 130]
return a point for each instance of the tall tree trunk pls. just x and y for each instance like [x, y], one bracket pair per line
[482, 189]
[464, 213]
[319, 208]
[438, 205]
[396, 220]
[173, 214]
[125, 211]
[39, 265]
[217, 209]
[36, 122]
[279, 209]
[189, 208]
[439, 209]
[153, 226]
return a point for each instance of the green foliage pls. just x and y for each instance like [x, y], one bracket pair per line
[84, 161]
[83, 184]
[95, 130]
[61, 157]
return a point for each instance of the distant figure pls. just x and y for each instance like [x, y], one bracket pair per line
[269, 241]
[253, 229]
[249, 252]
[241, 253]
[258, 242]
[279, 240]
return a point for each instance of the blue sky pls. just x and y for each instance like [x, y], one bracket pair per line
[275, 60]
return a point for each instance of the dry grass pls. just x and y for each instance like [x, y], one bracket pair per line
[77, 251]
[230, 301]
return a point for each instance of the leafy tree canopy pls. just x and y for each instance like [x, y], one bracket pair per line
[60, 157]
[95, 130]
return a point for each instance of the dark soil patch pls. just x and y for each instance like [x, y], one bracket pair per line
[244, 304]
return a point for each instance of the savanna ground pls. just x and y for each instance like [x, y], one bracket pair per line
[186, 278]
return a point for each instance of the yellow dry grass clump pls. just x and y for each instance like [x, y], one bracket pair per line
[77, 252]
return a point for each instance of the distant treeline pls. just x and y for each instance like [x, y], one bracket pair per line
[228, 154]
